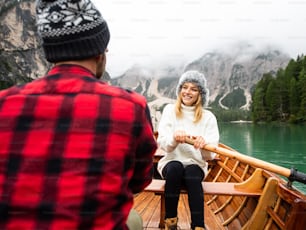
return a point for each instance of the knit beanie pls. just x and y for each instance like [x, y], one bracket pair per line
[198, 79]
[71, 29]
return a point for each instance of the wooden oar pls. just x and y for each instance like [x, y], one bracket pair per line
[291, 174]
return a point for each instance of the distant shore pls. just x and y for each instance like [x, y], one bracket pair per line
[241, 121]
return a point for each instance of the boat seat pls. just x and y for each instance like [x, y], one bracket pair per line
[210, 188]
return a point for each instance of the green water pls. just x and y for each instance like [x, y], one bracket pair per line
[280, 144]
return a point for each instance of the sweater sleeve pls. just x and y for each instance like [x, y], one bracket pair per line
[211, 136]
[166, 127]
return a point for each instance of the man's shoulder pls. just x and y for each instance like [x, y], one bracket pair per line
[10, 91]
[122, 93]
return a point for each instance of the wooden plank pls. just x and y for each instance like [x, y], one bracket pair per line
[224, 188]
[152, 209]
[142, 200]
[148, 206]
[268, 199]
[143, 204]
[155, 218]
[183, 212]
[211, 221]
[156, 186]
[214, 188]
[219, 188]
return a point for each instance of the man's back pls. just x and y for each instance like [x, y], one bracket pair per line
[73, 151]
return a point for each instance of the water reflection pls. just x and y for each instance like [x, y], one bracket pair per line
[280, 144]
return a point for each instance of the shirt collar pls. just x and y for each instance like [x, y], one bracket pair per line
[71, 68]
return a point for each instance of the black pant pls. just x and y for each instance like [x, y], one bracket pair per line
[191, 177]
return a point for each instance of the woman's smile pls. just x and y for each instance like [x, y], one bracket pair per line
[189, 93]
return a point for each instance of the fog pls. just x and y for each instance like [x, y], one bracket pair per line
[154, 32]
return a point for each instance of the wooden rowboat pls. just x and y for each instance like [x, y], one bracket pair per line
[237, 195]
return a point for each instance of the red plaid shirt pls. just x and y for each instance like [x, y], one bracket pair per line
[73, 150]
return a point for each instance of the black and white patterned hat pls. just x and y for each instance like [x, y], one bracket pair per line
[71, 29]
[198, 79]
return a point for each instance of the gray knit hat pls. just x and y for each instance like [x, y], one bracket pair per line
[198, 79]
[71, 29]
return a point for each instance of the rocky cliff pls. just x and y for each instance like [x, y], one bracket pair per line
[236, 73]
[21, 56]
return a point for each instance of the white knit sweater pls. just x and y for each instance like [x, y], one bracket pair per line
[207, 127]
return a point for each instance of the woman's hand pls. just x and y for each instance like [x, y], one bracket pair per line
[180, 136]
[199, 142]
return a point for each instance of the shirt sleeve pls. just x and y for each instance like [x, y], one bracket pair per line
[146, 147]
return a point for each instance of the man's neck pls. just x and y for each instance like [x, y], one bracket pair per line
[89, 64]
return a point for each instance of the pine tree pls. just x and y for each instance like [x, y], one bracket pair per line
[259, 107]
[302, 90]
[294, 99]
[274, 101]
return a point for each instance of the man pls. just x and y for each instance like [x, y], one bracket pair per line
[73, 150]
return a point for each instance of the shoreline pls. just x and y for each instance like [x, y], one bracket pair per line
[241, 121]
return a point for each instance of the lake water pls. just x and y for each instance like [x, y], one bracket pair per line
[280, 144]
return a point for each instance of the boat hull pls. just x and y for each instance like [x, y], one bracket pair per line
[277, 207]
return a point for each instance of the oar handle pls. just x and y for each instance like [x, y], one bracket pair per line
[297, 176]
[292, 175]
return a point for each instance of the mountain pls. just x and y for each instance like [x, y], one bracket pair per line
[230, 76]
[21, 56]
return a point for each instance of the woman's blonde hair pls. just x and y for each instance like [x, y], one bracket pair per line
[198, 113]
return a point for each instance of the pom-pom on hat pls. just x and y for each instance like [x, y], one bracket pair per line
[198, 79]
[71, 29]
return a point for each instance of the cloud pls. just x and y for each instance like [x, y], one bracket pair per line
[152, 31]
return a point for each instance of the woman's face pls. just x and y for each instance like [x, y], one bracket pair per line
[189, 93]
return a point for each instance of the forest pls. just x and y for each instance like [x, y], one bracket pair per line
[282, 97]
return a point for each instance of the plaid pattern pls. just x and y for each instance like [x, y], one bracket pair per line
[73, 150]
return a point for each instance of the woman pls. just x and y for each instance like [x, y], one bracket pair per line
[184, 164]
